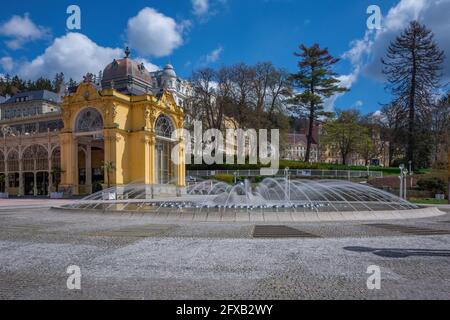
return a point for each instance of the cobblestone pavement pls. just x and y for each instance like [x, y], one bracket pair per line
[128, 256]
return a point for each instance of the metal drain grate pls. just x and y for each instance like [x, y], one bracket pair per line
[133, 232]
[409, 229]
[280, 232]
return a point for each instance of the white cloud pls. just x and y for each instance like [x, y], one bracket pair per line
[365, 54]
[147, 64]
[20, 30]
[432, 13]
[346, 81]
[74, 54]
[214, 55]
[209, 58]
[358, 104]
[200, 7]
[152, 33]
[7, 63]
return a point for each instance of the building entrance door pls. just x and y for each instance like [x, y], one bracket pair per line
[28, 185]
[42, 183]
[163, 163]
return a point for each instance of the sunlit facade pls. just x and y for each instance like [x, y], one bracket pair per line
[108, 134]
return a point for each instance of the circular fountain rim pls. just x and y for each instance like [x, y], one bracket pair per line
[201, 207]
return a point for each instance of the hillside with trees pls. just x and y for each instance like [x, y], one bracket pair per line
[10, 85]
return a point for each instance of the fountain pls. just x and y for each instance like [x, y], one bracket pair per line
[271, 195]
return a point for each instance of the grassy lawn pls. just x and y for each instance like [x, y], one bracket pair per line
[428, 201]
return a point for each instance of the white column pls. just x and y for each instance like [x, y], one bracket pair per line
[50, 176]
[35, 182]
[89, 168]
[21, 178]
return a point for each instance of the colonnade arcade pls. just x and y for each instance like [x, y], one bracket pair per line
[29, 170]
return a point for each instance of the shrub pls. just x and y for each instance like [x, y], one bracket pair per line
[228, 178]
[433, 184]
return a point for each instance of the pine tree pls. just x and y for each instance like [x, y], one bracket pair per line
[317, 81]
[72, 83]
[43, 84]
[413, 68]
[58, 82]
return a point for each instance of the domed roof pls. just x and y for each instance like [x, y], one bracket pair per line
[125, 68]
[127, 76]
[169, 71]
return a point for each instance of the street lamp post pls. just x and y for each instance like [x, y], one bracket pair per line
[401, 167]
[449, 175]
[410, 173]
[287, 190]
[405, 185]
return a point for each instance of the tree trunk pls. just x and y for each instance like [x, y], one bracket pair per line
[391, 153]
[344, 160]
[309, 136]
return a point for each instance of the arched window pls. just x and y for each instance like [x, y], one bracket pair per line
[56, 158]
[13, 161]
[89, 120]
[28, 159]
[35, 158]
[164, 126]
[41, 158]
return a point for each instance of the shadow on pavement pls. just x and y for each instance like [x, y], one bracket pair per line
[400, 253]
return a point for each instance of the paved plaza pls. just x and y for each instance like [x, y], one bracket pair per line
[132, 256]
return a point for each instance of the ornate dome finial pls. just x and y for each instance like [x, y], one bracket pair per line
[88, 78]
[127, 52]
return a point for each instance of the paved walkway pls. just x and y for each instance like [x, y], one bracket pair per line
[129, 256]
[32, 202]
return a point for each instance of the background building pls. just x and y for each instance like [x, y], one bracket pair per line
[168, 80]
[30, 124]
[295, 148]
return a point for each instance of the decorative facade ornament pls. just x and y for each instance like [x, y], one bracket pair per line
[88, 78]
[127, 52]
[89, 120]
[164, 126]
[141, 67]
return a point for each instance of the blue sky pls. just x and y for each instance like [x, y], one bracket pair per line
[198, 33]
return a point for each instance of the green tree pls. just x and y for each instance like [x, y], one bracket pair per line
[413, 68]
[58, 82]
[345, 135]
[108, 167]
[316, 81]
